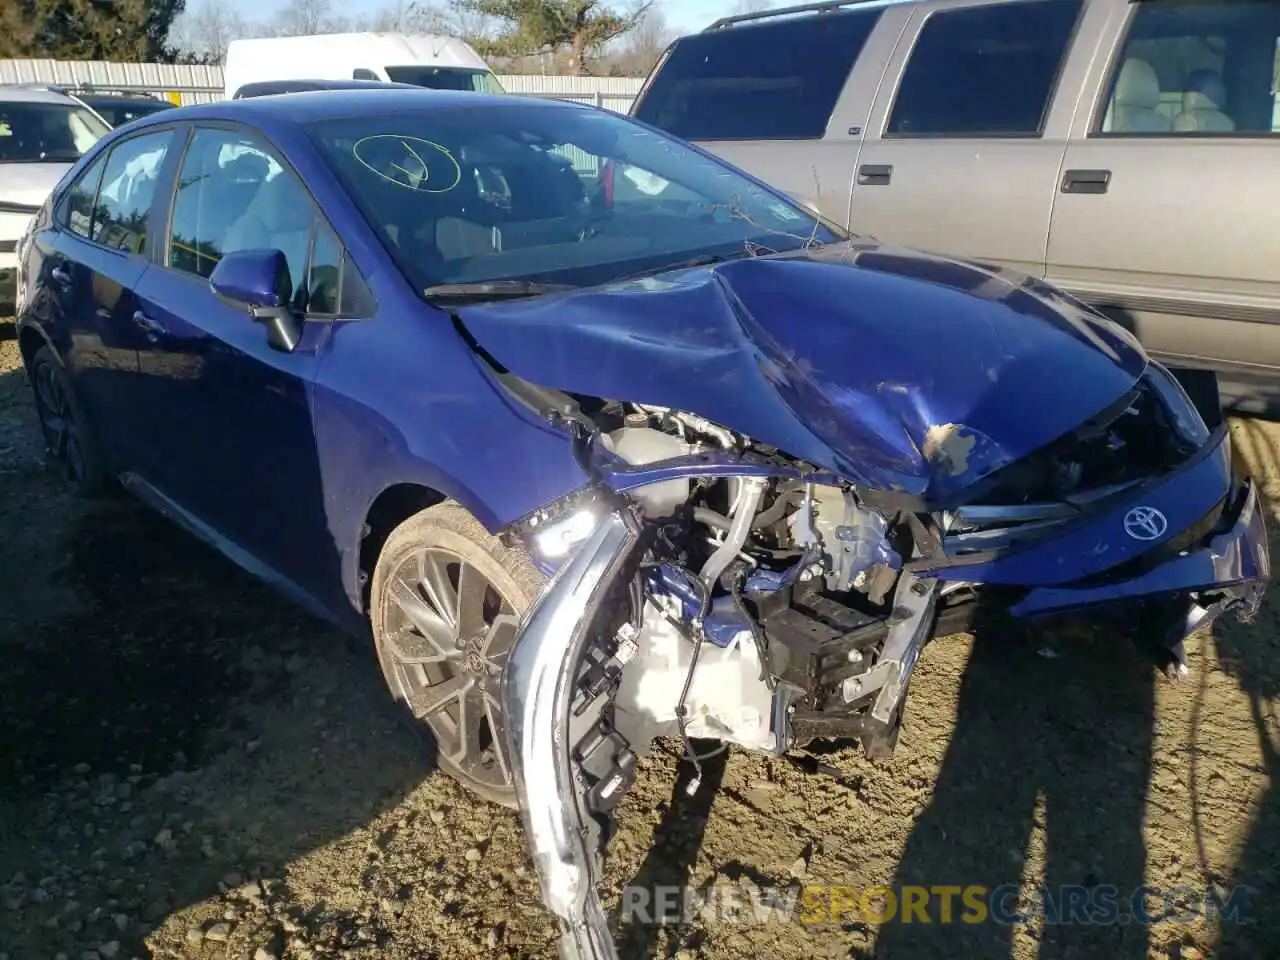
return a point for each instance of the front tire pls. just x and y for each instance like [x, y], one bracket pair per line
[446, 604]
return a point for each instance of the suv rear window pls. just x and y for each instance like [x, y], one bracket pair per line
[774, 80]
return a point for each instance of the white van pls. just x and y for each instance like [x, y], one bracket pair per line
[445, 63]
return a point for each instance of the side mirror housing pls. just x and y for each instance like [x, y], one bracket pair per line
[258, 282]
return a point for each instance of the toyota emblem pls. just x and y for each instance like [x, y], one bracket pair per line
[1145, 523]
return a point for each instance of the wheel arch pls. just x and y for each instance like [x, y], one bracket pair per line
[30, 340]
[393, 505]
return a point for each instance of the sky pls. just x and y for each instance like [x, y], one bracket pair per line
[683, 16]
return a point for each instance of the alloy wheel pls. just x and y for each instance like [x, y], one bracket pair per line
[57, 423]
[449, 631]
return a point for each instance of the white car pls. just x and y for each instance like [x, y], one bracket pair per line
[42, 133]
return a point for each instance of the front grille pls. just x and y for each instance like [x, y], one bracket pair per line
[8, 246]
[1195, 536]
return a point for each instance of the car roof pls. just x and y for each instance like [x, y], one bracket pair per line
[22, 93]
[264, 88]
[314, 105]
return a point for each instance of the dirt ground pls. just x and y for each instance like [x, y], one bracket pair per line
[191, 768]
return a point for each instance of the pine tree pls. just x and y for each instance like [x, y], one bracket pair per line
[122, 30]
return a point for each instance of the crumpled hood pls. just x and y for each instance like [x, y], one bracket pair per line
[898, 370]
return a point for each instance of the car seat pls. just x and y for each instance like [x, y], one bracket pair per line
[223, 197]
[278, 218]
[1136, 100]
[1202, 98]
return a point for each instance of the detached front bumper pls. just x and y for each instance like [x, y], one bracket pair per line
[539, 689]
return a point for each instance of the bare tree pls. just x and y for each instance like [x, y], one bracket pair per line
[469, 24]
[208, 29]
[302, 18]
[394, 17]
[641, 48]
[428, 17]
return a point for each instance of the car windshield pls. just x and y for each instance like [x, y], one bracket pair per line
[47, 132]
[446, 78]
[554, 193]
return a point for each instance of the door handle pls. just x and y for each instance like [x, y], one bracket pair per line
[60, 275]
[1086, 181]
[875, 174]
[153, 329]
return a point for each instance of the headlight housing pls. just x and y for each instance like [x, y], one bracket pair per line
[1183, 415]
[558, 538]
[552, 532]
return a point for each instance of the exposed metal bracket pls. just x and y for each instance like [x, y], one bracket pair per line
[915, 602]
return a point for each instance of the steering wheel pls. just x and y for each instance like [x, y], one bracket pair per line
[587, 223]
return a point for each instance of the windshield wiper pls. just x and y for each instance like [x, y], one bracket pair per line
[705, 260]
[493, 290]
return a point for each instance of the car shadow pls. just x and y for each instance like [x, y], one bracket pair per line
[677, 838]
[1043, 787]
[1249, 654]
[169, 726]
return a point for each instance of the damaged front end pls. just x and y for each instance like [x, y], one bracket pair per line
[789, 490]
[709, 587]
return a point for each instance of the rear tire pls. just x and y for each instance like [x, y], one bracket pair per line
[68, 441]
[446, 603]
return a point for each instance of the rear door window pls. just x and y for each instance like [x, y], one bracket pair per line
[986, 71]
[123, 210]
[77, 208]
[1196, 68]
[774, 80]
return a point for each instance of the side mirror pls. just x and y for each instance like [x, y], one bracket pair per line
[258, 282]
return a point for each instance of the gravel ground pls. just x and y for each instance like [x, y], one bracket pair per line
[191, 769]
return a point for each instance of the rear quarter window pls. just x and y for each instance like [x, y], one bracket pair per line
[774, 80]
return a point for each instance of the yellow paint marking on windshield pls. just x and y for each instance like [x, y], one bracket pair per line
[400, 160]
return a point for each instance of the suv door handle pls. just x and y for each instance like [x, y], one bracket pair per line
[875, 174]
[61, 276]
[1086, 181]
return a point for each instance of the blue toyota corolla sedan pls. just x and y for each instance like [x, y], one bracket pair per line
[601, 439]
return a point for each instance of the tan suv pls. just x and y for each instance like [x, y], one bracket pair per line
[1129, 152]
